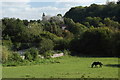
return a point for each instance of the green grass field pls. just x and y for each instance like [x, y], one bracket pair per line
[69, 67]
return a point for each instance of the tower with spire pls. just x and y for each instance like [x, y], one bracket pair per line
[43, 16]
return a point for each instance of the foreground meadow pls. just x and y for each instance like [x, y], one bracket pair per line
[69, 67]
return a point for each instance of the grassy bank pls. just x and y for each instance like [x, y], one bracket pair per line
[69, 67]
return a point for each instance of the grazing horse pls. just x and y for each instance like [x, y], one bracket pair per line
[96, 63]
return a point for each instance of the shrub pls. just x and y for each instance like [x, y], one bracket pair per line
[10, 63]
[5, 54]
[66, 52]
[116, 43]
[67, 34]
[8, 44]
[17, 45]
[34, 53]
[15, 57]
[31, 54]
[46, 45]
[62, 44]
[48, 54]
[50, 36]
[28, 56]
[94, 41]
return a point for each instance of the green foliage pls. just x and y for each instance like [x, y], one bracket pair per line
[79, 14]
[94, 41]
[31, 54]
[69, 22]
[110, 23]
[12, 27]
[34, 28]
[93, 21]
[14, 56]
[5, 53]
[116, 43]
[67, 34]
[78, 28]
[49, 35]
[8, 44]
[75, 28]
[47, 26]
[17, 46]
[34, 53]
[21, 32]
[66, 52]
[45, 45]
[48, 54]
[28, 56]
[25, 22]
[53, 27]
[62, 44]
[30, 32]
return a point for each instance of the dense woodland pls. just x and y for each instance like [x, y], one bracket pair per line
[89, 31]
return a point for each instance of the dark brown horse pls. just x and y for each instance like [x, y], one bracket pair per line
[96, 64]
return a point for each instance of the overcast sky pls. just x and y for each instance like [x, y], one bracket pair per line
[33, 9]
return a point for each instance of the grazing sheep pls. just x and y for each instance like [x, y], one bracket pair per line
[96, 63]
